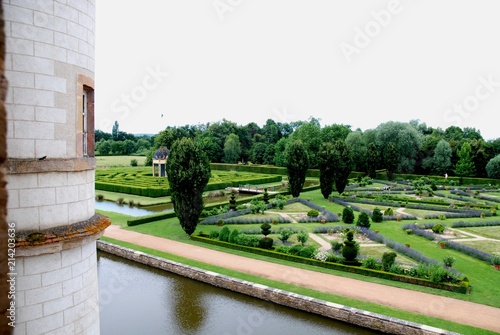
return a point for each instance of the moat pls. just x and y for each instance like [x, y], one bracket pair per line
[136, 299]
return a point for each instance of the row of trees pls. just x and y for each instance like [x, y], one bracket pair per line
[121, 143]
[399, 147]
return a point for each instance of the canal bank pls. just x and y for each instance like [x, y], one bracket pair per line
[320, 307]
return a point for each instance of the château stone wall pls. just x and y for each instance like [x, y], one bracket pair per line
[57, 293]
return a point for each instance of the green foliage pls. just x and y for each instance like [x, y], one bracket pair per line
[363, 220]
[214, 234]
[442, 157]
[388, 259]
[326, 168]
[266, 243]
[224, 234]
[438, 228]
[248, 240]
[265, 229]
[232, 237]
[258, 206]
[232, 149]
[285, 234]
[465, 166]
[312, 213]
[342, 165]
[372, 159]
[303, 237]
[297, 163]
[391, 159]
[347, 215]
[307, 251]
[371, 263]
[188, 172]
[265, 197]
[336, 246]
[133, 162]
[448, 261]
[389, 211]
[232, 201]
[493, 167]
[351, 248]
[377, 215]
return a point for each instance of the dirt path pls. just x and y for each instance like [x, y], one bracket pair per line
[455, 310]
[324, 244]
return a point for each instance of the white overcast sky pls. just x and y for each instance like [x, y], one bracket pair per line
[359, 63]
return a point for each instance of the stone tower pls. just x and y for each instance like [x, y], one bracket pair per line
[49, 66]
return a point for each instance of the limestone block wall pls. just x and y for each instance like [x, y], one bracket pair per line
[57, 292]
[43, 200]
[49, 44]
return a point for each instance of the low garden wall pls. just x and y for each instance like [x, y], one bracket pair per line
[327, 309]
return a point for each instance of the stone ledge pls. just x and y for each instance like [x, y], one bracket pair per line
[23, 166]
[30, 243]
[324, 308]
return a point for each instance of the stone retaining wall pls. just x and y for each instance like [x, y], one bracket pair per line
[324, 308]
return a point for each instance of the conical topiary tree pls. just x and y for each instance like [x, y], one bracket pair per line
[350, 248]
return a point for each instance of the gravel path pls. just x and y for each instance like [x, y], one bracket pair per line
[455, 310]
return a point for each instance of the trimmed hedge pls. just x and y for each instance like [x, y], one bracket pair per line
[150, 218]
[464, 288]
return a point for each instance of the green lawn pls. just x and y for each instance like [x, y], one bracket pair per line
[115, 161]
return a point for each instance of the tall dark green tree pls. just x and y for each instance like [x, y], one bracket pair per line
[342, 165]
[326, 165]
[372, 159]
[115, 130]
[188, 172]
[297, 163]
[391, 159]
[232, 149]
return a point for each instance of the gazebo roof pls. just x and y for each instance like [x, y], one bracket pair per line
[161, 153]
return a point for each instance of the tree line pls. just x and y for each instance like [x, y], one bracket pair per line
[399, 147]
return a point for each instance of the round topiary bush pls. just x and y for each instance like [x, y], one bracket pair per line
[313, 213]
[347, 215]
[438, 228]
[363, 220]
[266, 243]
[377, 215]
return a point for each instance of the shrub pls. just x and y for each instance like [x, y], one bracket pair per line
[371, 263]
[99, 197]
[266, 243]
[438, 228]
[265, 229]
[377, 215]
[302, 237]
[351, 248]
[307, 252]
[120, 201]
[448, 261]
[233, 235]
[363, 220]
[133, 162]
[214, 234]
[322, 256]
[295, 250]
[224, 234]
[389, 211]
[285, 234]
[336, 246]
[347, 215]
[388, 259]
[313, 213]
[247, 240]
[282, 248]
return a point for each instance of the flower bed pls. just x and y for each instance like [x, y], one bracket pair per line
[462, 287]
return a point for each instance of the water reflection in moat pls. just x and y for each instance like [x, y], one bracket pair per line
[136, 299]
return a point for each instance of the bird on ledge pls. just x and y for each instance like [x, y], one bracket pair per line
[42, 158]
